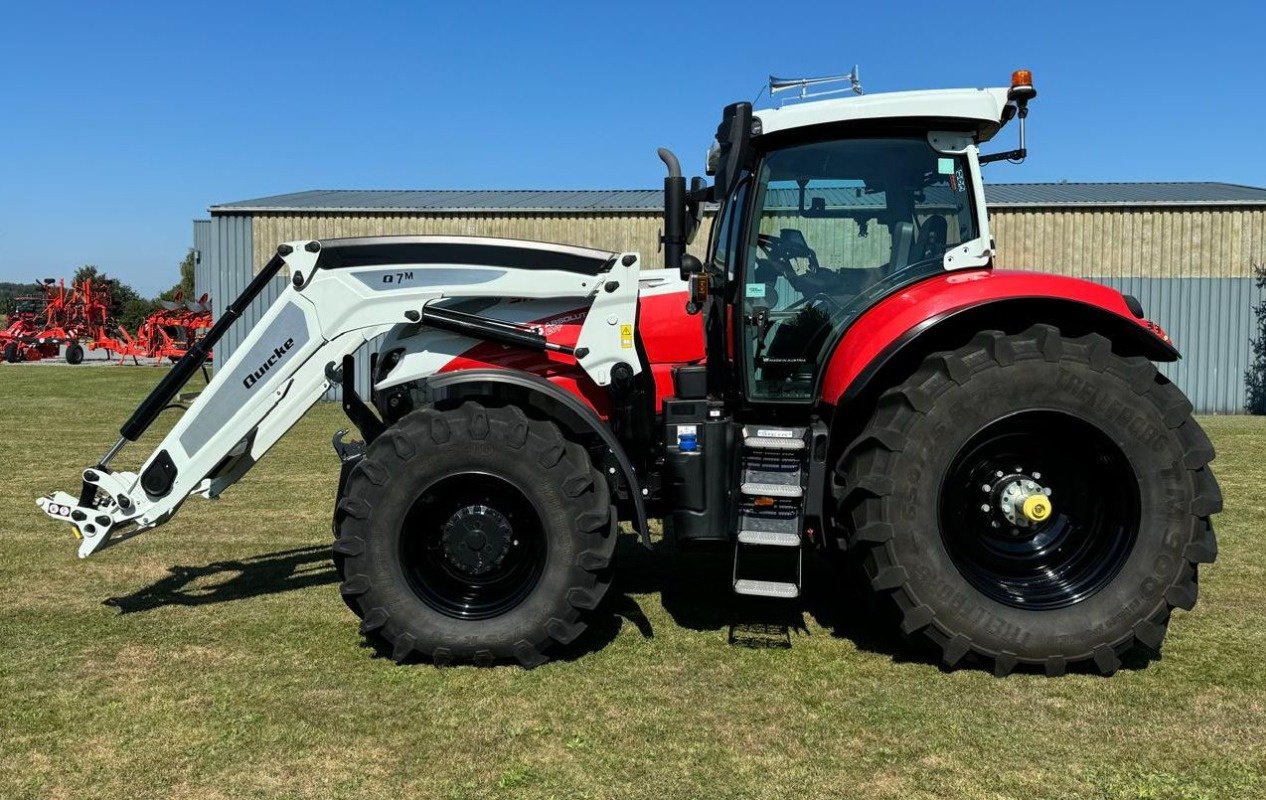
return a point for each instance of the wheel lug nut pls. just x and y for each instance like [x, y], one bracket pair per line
[999, 473]
[984, 506]
[986, 487]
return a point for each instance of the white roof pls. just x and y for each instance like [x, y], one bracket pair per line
[981, 106]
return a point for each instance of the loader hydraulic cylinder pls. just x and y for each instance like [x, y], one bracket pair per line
[184, 369]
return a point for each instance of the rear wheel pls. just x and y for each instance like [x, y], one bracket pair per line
[474, 535]
[1032, 499]
[11, 353]
[74, 353]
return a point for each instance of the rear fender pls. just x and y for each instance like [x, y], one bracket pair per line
[944, 312]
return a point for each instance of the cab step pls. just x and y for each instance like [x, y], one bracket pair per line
[769, 538]
[753, 489]
[770, 512]
[780, 589]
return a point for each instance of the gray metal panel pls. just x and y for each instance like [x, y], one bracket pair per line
[608, 200]
[1211, 322]
[232, 270]
[202, 275]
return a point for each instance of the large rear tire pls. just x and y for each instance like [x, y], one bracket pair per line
[930, 499]
[474, 535]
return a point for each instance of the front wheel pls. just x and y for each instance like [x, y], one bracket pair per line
[1032, 500]
[474, 535]
[74, 353]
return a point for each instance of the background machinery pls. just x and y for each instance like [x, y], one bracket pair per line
[992, 455]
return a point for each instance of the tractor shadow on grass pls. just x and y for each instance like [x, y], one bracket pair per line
[239, 579]
[695, 589]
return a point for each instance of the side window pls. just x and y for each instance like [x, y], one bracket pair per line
[726, 234]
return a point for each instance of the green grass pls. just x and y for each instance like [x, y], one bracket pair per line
[230, 668]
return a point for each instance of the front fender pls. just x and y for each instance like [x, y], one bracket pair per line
[986, 298]
[565, 408]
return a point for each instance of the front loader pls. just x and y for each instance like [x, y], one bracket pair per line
[993, 452]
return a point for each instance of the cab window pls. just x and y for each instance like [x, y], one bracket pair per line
[840, 224]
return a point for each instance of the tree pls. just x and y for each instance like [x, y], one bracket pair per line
[1255, 377]
[185, 287]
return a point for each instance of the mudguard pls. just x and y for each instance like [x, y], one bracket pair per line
[880, 333]
[569, 410]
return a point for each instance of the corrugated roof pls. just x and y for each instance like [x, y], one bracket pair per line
[1123, 194]
[999, 195]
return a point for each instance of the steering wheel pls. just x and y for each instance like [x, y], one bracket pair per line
[788, 245]
[814, 299]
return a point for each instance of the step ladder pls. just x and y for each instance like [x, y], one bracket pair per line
[771, 506]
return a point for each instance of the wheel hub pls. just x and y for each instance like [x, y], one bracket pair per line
[999, 521]
[1017, 500]
[476, 538]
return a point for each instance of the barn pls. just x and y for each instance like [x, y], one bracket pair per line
[1186, 250]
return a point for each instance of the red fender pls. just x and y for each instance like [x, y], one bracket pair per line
[884, 325]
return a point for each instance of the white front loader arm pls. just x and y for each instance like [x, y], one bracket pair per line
[287, 361]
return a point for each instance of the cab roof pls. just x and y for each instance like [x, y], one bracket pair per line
[981, 108]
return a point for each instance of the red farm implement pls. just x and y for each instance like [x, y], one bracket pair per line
[61, 317]
[165, 334]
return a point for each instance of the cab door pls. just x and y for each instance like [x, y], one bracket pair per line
[834, 227]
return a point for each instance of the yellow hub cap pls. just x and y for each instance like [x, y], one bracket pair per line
[1037, 508]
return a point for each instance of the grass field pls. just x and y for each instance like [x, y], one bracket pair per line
[213, 658]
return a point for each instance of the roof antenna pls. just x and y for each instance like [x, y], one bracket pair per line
[777, 85]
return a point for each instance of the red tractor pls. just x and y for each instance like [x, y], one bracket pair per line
[62, 318]
[27, 320]
[844, 374]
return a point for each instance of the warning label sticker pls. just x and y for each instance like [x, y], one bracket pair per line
[626, 337]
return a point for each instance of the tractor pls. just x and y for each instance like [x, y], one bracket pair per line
[991, 456]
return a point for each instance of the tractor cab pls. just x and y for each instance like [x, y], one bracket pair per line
[828, 206]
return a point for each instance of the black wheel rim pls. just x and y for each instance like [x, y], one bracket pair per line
[472, 546]
[1061, 560]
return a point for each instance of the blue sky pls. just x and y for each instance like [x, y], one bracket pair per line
[121, 122]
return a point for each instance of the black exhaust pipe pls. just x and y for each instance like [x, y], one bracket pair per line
[674, 236]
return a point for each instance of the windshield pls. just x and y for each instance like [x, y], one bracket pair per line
[840, 224]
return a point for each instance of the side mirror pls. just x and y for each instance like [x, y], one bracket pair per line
[690, 265]
[694, 207]
[734, 140]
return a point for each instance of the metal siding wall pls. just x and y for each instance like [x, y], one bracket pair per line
[1211, 322]
[202, 266]
[1132, 242]
[1188, 267]
[637, 232]
[232, 267]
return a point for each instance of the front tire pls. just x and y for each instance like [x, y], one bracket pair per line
[474, 535]
[930, 497]
[74, 354]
